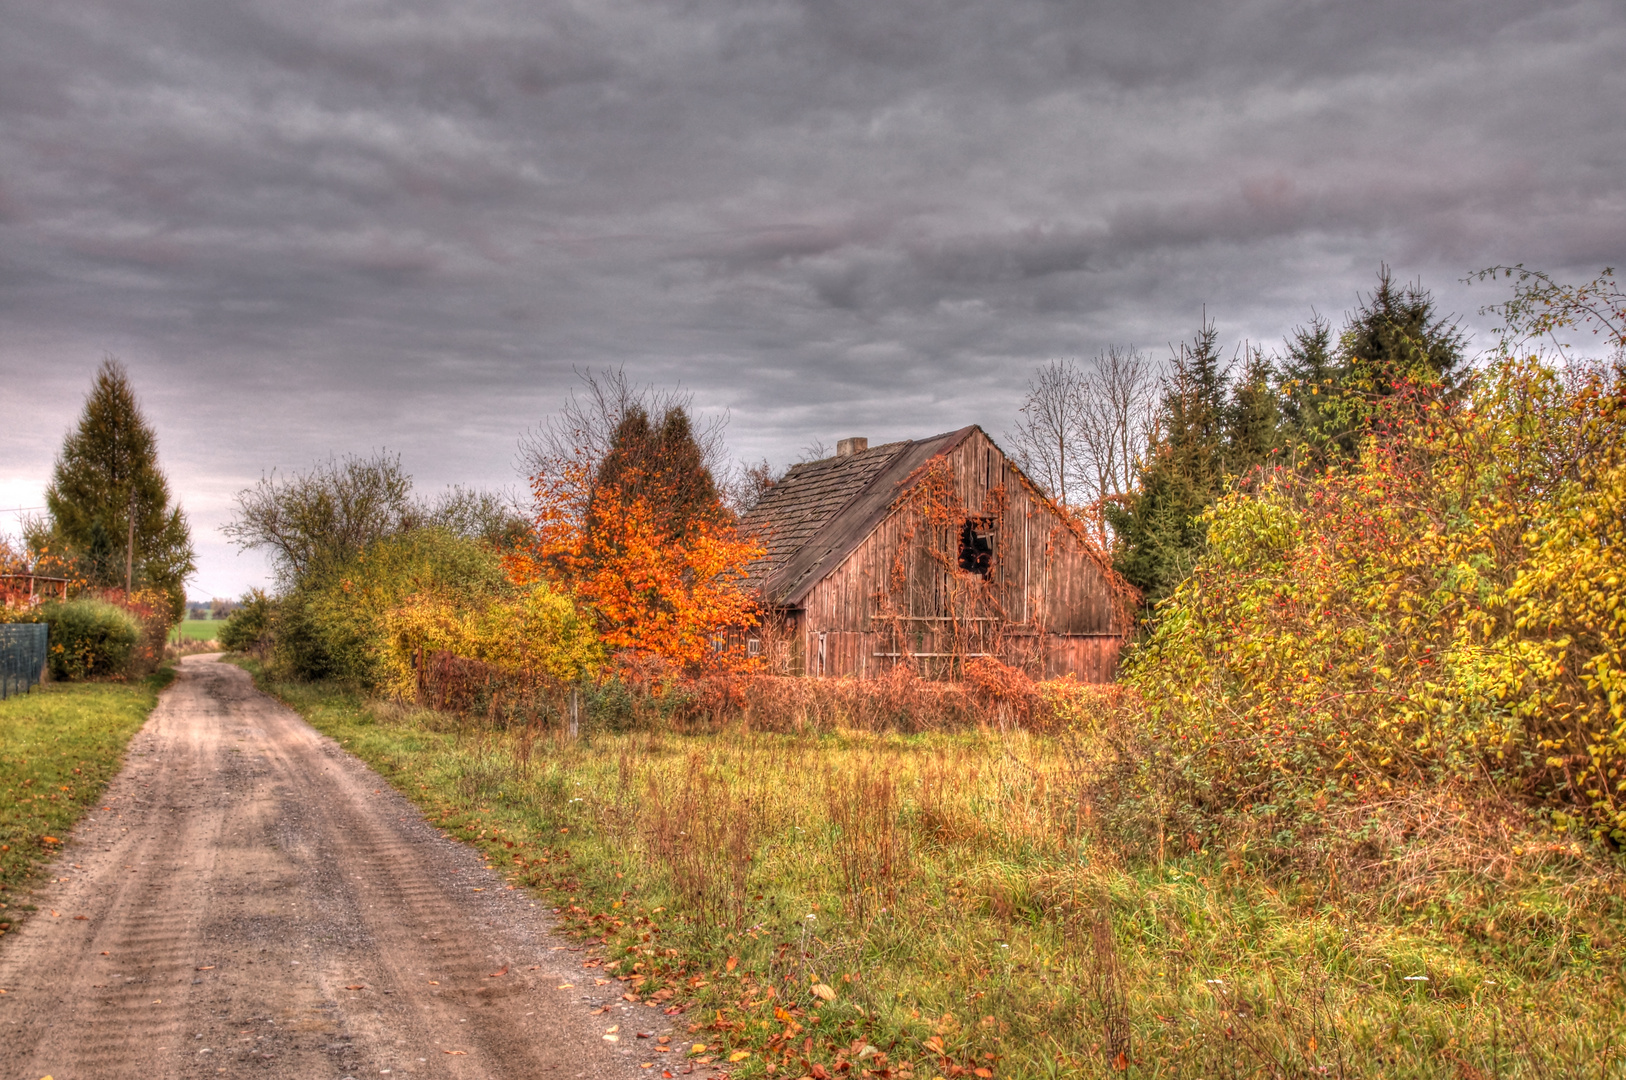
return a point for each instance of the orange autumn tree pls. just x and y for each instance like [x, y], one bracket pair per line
[641, 537]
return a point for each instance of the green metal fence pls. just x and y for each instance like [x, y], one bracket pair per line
[22, 657]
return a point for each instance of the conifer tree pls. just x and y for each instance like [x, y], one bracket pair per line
[1253, 415]
[662, 466]
[1395, 336]
[1157, 530]
[1309, 383]
[108, 502]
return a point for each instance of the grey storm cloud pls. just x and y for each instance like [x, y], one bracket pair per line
[312, 227]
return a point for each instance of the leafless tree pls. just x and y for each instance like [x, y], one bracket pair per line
[746, 483]
[1081, 431]
[584, 429]
[338, 507]
[817, 450]
[1120, 403]
[497, 517]
[332, 511]
[1050, 428]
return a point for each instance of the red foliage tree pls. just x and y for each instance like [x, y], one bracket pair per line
[641, 537]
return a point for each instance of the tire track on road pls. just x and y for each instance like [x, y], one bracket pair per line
[255, 898]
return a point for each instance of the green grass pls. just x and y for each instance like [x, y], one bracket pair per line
[59, 746]
[199, 629]
[932, 906]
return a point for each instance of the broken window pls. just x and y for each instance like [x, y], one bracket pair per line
[977, 546]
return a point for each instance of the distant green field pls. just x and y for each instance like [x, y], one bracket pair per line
[201, 629]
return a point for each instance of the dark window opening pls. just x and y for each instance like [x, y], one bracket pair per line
[977, 546]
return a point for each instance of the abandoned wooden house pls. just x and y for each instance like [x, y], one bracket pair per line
[930, 552]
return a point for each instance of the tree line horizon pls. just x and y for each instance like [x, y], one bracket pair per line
[1134, 448]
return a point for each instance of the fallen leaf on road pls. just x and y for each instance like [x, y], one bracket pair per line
[567, 986]
[205, 967]
[479, 890]
[646, 1034]
[495, 974]
[81, 918]
[56, 914]
[456, 1053]
[629, 997]
[432, 982]
[612, 1038]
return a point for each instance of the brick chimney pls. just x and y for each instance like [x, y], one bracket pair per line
[849, 447]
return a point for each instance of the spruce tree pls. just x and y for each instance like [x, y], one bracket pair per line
[1393, 339]
[1394, 336]
[1310, 380]
[1158, 534]
[106, 491]
[1253, 416]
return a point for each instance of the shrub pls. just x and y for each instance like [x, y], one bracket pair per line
[90, 638]
[536, 635]
[1446, 606]
[249, 627]
[334, 623]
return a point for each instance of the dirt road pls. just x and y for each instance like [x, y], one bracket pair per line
[252, 901]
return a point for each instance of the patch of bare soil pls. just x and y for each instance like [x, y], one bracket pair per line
[250, 900]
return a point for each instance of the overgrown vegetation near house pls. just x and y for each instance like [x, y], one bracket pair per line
[960, 903]
[59, 746]
[1355, 808]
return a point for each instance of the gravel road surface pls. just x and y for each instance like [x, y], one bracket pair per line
[250, 900]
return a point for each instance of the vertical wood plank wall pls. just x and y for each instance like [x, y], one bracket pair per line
[1044, 586]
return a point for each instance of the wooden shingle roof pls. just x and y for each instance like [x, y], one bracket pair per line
[821, 511]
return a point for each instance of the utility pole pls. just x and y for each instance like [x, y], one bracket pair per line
[129, 548]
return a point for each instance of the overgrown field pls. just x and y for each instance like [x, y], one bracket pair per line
[59, 746]
[1009, 905]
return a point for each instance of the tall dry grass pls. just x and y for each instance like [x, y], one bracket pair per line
[935, 903]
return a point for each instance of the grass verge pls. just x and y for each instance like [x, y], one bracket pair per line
[983, 905]
[59, 746]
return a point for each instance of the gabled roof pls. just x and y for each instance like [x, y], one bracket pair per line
[816, 516]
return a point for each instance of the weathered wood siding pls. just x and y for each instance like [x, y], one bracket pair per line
[1046, 605]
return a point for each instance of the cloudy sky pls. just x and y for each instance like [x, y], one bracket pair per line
[313, 228]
